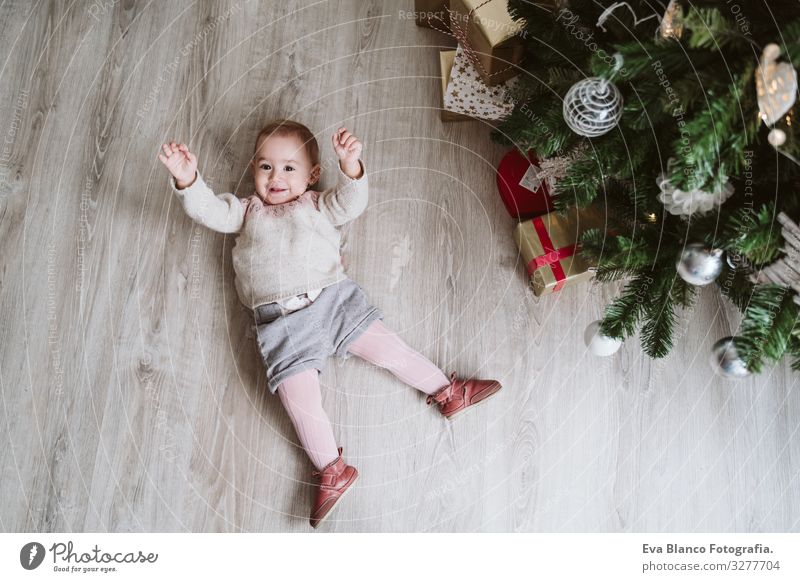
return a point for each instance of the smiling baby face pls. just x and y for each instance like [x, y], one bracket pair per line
[285, 163]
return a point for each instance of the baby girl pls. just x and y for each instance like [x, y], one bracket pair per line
[289, 272]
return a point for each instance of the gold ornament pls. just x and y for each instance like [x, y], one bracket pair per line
[672, 23]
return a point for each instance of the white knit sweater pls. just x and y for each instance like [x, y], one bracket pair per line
[281, 250]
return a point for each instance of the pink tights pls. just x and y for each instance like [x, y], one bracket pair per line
[301, 397]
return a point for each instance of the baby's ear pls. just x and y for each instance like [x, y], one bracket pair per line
[314, 177]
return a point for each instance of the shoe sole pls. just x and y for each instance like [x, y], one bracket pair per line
[336, 503]
[492, 390]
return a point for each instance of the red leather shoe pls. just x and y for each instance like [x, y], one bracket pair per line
[335, 480]
[461, 394]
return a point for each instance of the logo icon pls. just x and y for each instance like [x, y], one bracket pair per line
[31, 555]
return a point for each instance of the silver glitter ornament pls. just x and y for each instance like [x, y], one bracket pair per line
[699, 265]
[592, 107]
[725, 359]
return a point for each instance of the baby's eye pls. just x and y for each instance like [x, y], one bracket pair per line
[290, 168]
[265, 166]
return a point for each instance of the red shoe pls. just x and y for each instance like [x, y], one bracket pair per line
[335, 480]
[460, 394]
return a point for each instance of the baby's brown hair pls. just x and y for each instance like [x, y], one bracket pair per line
[289, 127]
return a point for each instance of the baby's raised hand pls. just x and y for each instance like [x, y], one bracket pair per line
[180, 162]
[348, 148]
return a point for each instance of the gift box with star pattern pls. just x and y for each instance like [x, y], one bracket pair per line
[446, 59]
[467, 94]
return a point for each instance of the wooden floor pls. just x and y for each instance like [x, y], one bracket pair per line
[133, 398]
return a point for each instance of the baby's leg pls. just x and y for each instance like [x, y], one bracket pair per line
[384, 348]
[302, 399]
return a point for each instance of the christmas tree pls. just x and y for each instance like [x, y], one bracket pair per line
[696, 168]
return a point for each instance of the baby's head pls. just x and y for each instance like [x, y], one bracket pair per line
[285, 162]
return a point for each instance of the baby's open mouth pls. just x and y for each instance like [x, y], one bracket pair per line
[277, 190]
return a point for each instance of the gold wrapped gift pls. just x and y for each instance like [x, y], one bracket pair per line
[432, 14]
[486, 30]
[548, 247]
[446, 60]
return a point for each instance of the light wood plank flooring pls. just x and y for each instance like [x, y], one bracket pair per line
[133, 398]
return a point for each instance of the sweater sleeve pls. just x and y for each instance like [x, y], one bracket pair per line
[219, 212]
[347, 199]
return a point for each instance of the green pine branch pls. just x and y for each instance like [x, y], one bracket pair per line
[622, 315]
[769, 322]
[711, 146]
[755, 234]
[709, 29]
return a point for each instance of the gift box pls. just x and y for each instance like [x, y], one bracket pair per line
[523, 189]
[490, 37]
[432, 14]
[446, 60]
[549, 248]
[466, 93]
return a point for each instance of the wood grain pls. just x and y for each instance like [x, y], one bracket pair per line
[133, 398]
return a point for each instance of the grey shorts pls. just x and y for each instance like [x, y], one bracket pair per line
[303, 339]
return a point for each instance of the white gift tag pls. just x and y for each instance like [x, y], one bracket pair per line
[531, 179]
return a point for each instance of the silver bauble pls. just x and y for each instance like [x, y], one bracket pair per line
[725, 359]
[592, 107]
[699, 265]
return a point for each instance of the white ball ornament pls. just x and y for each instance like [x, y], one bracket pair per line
[599, 344]
[592, 107]
[776, 137]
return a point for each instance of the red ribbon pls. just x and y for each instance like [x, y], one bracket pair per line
[552, 256]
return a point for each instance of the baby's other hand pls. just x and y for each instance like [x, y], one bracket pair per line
[180, 162]
[348, 148]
